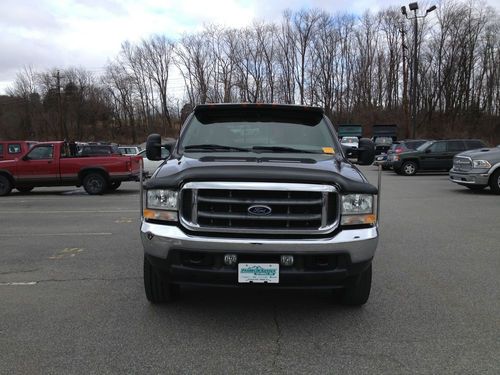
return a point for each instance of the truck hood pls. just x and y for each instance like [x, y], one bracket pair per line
[265, 167]
[482, 153]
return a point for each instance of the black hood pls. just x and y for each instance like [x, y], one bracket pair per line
[268, 167]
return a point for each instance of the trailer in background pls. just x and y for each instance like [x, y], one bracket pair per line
[348, 130]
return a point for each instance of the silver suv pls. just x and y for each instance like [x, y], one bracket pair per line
[476, 169]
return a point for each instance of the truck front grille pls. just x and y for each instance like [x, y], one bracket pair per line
[256, 208]
[461, 163]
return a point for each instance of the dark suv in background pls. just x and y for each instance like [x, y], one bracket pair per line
[433, 155]
[401, 146]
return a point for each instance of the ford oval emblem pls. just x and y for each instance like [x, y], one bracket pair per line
[259, 210]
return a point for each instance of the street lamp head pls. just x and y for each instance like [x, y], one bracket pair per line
[413, 6]
[430, 9]
[403, 10]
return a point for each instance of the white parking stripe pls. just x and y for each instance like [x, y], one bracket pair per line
[69, 211]
[54, 234]
[19, 283]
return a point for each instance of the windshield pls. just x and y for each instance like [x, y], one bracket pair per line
[424, 146]
[257, 136]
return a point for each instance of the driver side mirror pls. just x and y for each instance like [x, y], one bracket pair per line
[428, 151]
[154, 146]
[25, 158]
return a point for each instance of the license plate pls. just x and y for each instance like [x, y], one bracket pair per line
[258, 273]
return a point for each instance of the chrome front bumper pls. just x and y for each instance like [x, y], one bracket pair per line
[468, 178]
[158, 240]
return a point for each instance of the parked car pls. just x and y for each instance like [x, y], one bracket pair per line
[10, 150]
[129, 150]
[399, 147]
[382, 144]
[433, 156]
[350, 146]
[476, 169]
[149, 166]
[350, 141]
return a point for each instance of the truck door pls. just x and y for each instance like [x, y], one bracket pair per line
[39, 166]
[434, 156]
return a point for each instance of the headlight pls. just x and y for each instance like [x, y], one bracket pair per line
[162, 199]
[357, 209]
[355, 204]
[161, 205]
[481, 164]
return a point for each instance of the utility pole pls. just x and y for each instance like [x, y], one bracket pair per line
[405, 84]
[414, 83]
[62, 126]
[415, 76]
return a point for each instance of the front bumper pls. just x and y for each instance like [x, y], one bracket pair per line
[479, 177]
[321, 262]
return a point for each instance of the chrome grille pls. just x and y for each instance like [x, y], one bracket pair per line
[461, 163]
[255, 208]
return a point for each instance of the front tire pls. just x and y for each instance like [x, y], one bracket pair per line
[409, 168]
[94, 184]
[357, 294]
[495, 182]
[157, 288]
[5, 186]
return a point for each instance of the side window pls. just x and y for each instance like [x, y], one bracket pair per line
[474, 144]
[14, 148]
[438, 147]
[1, 151]
[455, 146]
[41, 152]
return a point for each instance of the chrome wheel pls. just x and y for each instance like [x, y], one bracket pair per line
[409, 168]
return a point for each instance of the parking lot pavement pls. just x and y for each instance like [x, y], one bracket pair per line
[72, 299]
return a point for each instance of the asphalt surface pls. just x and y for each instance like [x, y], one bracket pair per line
[72, 298]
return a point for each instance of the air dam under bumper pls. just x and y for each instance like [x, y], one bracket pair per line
[349, 253]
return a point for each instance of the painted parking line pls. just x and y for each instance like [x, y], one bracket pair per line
[19, 283]
[54, 234]
[68, 211]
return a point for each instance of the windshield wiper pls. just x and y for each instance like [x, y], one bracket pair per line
[213, 147]
[281, 149]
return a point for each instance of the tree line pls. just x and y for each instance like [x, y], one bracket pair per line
[358, 68]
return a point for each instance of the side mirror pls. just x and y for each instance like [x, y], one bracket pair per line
[428, 151]
[25, 158]
[153, 147]
[366, 151]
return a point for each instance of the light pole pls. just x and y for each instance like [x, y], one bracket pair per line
[414, 7]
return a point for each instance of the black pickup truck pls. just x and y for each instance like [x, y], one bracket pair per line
[257, 195]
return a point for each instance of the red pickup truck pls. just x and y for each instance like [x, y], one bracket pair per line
[53, 164]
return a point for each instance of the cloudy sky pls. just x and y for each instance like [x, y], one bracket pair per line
[49, 34]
